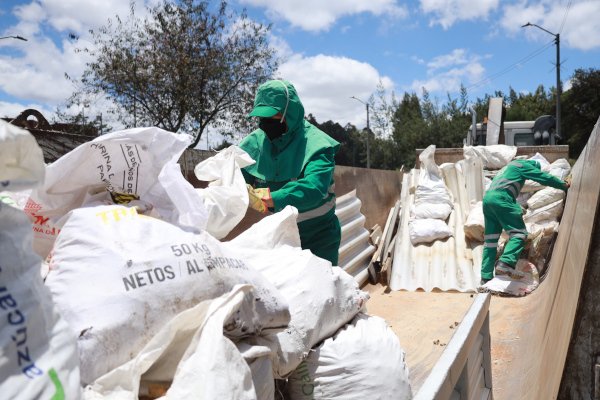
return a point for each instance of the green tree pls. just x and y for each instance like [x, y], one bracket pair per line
[186, 65]
[348, 137]
[455, 120]
[580, 109]
[409, 128]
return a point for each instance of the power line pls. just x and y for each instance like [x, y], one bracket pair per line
[344, 116]
[565, 17]
[507, 69]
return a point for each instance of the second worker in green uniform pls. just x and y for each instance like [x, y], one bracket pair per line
[295, 162]
[501, 211]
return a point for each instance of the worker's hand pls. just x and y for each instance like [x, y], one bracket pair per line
[568, 185]
[259, 199]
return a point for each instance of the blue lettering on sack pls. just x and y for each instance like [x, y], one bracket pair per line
[17, 319]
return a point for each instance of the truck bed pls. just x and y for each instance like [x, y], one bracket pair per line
[423, 321]
[530, 336]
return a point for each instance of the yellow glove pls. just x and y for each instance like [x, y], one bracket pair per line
[258, 197]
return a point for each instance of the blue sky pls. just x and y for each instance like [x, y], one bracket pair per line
[334, 48]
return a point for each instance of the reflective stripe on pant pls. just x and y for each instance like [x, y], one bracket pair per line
[502, 212]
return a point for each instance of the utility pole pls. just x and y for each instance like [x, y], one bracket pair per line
[558, 86]
[368, 133]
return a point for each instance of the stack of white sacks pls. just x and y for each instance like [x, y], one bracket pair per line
[148, 295]
[38, 353]
[433, 203]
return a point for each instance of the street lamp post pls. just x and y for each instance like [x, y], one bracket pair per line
[14, 37]
[558, 88]
[368, 133]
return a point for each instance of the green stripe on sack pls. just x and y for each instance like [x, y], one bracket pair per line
[60, 392]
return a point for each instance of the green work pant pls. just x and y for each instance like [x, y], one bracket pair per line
[322, 236]
[501, 211]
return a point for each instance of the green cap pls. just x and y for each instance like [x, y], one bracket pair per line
[263, 111]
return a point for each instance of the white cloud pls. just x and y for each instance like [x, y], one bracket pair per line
[447, 12]
[417, 60]
[39, 73]
[326, 84]
[35, 72]
[581, 30]
[12, 110]
[457, 57]
[318, 15]
[280, 45]
[345, 28]
[567, 85]
[446, 72]
[80, 16]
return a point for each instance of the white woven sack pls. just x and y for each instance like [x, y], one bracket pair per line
[545, 197]
[322, 298]
[226, 197]
[21, 159]
[140, 161]
[552, 210]
[38, 350]
[118, 277]
[475, 225]
[531, 186]
[430, 210]
[431, 188]
[191, 351]
[427, 230]
[542, 160]
[515, 287]
[546, 227]
[559, 168]
[259, 361]
[363, 360]
[523, 197]
[494, 157]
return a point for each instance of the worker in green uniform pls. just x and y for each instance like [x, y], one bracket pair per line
[294, 166]
[501, 211]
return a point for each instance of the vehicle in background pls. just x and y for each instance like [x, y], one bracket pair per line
[541, 132]
[494, 130]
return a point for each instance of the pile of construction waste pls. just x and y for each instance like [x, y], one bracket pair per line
[433, 203]
[441, 229]
[115, 285]
[542, 209]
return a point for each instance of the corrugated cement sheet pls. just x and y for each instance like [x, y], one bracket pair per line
[355, 250]
[450, 264]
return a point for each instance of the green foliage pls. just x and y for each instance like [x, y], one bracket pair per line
[403, 126]
[351, 144]
[580, 109]
[224, 144]
[186, 65]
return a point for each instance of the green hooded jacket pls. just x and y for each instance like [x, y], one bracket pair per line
[511, 178]
[297, 167]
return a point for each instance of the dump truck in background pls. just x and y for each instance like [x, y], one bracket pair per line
[467, 345]
[494, 130]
